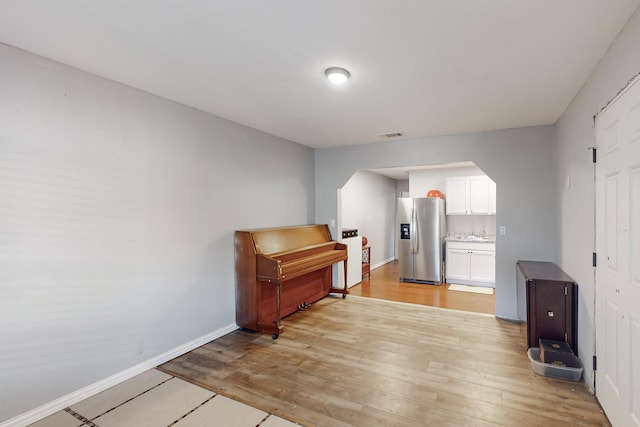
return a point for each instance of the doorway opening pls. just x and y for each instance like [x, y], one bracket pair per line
[368, 202]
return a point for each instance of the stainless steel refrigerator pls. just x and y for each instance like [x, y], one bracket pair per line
[422, 228]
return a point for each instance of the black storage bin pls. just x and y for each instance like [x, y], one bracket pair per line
[552, 303]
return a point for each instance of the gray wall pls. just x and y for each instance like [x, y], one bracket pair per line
[369, 204]
[518, 160]
[575, 132]
[117, 213]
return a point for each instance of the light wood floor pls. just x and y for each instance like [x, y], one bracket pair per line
[383, 283]
[367, 362]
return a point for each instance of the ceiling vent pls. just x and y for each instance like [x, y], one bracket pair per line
[392, 135]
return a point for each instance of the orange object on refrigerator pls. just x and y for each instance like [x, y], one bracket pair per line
[434, 193]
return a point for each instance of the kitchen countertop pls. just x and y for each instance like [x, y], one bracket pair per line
[474, 239]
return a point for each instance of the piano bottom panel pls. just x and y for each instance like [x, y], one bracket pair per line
[308, 288]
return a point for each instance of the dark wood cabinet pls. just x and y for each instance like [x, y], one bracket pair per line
[552, 303]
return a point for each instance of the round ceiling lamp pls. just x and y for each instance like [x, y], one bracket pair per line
[337, 75]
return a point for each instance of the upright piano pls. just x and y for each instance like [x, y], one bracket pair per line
[280, 270]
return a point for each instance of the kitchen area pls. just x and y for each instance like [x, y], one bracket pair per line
[470, 250]
[455, 247]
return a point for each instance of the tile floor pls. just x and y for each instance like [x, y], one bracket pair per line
[154, 398]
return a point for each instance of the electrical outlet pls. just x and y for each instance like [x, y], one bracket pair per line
[503, 230]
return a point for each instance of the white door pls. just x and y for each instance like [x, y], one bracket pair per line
[618, 247]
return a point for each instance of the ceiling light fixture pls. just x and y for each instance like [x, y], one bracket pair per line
[337, 75]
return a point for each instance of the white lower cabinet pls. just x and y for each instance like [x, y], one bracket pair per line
[457, 264]
[471, 263]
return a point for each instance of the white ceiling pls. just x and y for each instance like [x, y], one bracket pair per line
[421, 67]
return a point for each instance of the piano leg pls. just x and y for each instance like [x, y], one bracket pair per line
[344, 291]
[277, 322]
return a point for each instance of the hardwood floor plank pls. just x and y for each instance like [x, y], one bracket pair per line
[492, 413]
[382, 283]
[563, 411]
[364, 362]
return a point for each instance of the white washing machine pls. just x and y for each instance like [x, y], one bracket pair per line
[354, 262]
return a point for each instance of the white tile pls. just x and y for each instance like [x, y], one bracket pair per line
[158, 407]
[274, 421]
[222, 411]
[116, 395]
[59, 419]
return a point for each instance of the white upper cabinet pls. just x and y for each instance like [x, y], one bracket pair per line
[470, 195]
[478, 194]
[492, 197]
[456, 198]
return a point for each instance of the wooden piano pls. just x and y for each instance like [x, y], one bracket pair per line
[279, 270]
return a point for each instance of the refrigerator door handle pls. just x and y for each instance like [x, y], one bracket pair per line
[414, 231]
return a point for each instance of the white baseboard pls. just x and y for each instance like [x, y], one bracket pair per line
[59, 404]
[380, 264]
[507, 318]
